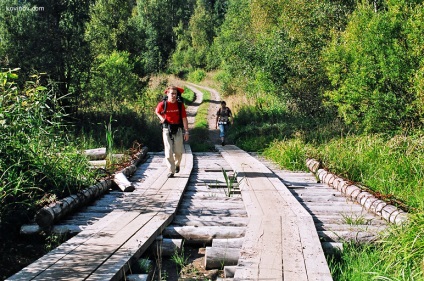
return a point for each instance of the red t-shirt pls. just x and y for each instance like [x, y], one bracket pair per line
[172, 115]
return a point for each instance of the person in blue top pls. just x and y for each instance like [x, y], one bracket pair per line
[224, 117]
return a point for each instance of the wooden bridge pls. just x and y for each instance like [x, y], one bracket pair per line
[273, 225]
[275, 229]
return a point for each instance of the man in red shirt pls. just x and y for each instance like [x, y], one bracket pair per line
[173, 120]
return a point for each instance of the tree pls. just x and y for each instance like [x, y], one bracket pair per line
[46, 36]
[194, 42]
[371, 68]
[113, 80]
[158, 19]
[108, 27]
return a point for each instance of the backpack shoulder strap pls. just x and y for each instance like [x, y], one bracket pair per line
[164, 106]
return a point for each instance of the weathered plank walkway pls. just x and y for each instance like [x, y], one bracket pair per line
[103, 250]
[268, 230]
[281, 242]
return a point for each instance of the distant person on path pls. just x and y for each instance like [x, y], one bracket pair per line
[173, 119]
[223, 119]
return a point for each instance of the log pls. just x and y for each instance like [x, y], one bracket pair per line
[181, 220]
[123, 183]
[96, 153]
[50, 214]
[332, 248]
[328, 247]
[98, 163]
[137, 277]
[342, 236]
[202, 235]
[31, 229]
[228, 243]
[216, 258]
[206, 212]
[215, 206]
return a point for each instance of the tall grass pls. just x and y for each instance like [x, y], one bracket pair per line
[397, 257]
[38, 162]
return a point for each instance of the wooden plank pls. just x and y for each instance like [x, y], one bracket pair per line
[116, 235]
[315, 262]
[115, 266]
[84, 259]
[35, 269]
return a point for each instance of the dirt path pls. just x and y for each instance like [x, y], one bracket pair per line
[214, 104]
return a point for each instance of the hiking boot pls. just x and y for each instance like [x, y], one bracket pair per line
[177, 169]
[223, 143]
[170, 175]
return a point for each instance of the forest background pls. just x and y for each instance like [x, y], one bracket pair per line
[338, 80]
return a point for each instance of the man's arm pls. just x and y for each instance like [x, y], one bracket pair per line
[186, 134]
[161, 117]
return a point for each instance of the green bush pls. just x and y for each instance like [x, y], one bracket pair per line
[197, 75]
[113, 81]
[371, 68]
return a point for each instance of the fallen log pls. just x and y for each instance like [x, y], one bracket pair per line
[50, 214]
[123, 183]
